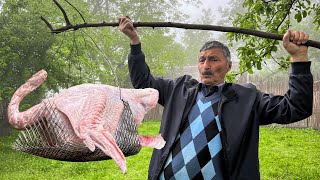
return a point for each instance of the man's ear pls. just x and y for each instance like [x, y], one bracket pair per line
[230, 65]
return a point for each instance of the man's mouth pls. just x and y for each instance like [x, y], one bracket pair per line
[206, 73]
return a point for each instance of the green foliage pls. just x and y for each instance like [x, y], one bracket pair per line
[23, 44]
[231, 76]
[95, 55]
[27, 47]
[270, 16]
[163, 53]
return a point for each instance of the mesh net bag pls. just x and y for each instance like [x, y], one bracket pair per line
[51, 137]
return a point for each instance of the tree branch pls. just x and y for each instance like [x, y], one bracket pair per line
[76, 10]
[252, 32]
[70, 27]
[286, 14]
[63, 12]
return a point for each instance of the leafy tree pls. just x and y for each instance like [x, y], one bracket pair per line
[163, 53]
[23, 45]
[27, 46]
[70, 58]
[271, 16]
[21, 48]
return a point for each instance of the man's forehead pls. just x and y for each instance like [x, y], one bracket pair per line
[211, 52]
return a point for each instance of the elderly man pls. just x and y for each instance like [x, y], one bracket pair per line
[212, 127]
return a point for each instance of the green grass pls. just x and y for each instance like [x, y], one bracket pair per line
[289, 153]
[284, 154]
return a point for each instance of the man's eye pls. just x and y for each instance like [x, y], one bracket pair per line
[213, 59]
[202, 59]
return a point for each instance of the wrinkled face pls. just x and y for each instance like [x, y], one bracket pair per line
[213, 66]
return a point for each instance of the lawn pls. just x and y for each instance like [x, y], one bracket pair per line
[284, 154]
[289, 153]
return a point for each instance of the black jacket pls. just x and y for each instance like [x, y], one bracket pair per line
[242, 109]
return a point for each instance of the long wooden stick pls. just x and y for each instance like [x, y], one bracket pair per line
[252, 32]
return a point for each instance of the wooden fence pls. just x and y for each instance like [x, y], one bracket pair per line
[276, 85]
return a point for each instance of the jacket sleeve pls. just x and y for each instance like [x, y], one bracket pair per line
[295, 105]
[141, 76]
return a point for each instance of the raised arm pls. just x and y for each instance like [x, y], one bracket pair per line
[297, 102]
[139, 71]
[126, 26]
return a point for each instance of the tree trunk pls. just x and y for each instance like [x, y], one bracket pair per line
[5, 127]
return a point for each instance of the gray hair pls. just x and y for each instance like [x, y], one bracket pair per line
[217, 44]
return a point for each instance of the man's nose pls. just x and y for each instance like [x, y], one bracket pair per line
[207, 64]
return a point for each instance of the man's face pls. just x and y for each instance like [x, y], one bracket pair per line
[212, 66]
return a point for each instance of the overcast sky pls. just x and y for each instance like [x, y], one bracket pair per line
[195, 13]
[214, 5]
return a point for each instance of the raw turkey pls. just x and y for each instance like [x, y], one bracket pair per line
[87, 121]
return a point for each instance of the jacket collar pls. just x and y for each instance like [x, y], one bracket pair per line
[192, 84]
[227, 90]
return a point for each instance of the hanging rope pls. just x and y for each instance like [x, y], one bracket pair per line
[107, 60]
[89, 56]
[77, 53]
[56, 52]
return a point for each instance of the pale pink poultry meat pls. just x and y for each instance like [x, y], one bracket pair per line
[90, 117]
